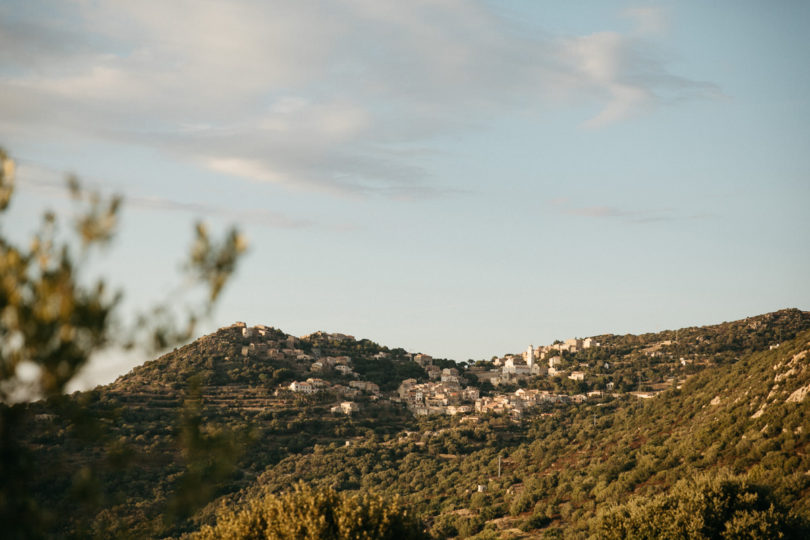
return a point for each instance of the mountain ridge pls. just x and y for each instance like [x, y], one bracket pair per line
[770, 328]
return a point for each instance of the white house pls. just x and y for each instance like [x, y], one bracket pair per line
[366, 386]
[528, 356]
[470, 393]
[302, 387]
[343, 369]
[513, 366]
[349, 407]
[577, 376]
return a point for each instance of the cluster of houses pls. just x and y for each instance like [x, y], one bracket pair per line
[513, 368]
[265, 342]
[444, 393]
[426, 361]
[532, 354]
[441, 398]
[355, 388]
[446, 396]
[341, 364]
[522, 400]
[573, 345]
[262, 344]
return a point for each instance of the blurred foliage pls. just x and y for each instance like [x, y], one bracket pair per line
[52, 321]
[6, 179]
[316, 514]
[212, 262]
[209, 452]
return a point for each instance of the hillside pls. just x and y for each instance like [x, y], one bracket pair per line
[229, 389]
[156, 452]
[562, 469]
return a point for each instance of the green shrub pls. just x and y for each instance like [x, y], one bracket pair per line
[307, 514]
[537, 521]
[721, 506]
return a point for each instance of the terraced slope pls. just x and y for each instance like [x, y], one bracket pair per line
[560, 471]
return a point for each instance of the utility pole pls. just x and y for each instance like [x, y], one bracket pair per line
[499, 466]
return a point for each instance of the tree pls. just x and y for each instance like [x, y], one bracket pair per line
[52, 321]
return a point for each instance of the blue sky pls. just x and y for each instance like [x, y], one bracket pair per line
[458, 178]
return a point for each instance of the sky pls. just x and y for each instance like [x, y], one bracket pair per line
[459, 178]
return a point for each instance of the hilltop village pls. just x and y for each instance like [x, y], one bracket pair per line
[536, 443]
[571, 371]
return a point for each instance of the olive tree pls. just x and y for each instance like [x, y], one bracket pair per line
[52, 320]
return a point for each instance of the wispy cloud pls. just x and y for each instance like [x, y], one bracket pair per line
[293, 93]
[640, 216]
[599, 211]
[257, 216]
[50, 183]
[626, 73]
